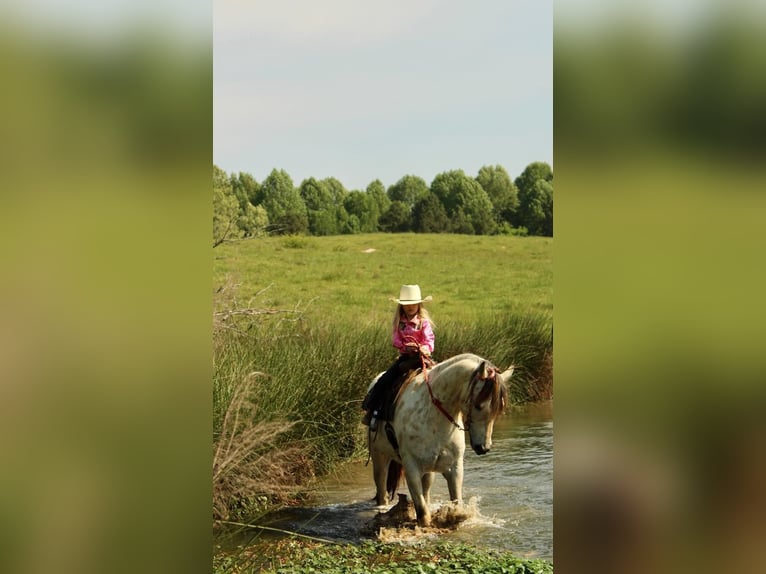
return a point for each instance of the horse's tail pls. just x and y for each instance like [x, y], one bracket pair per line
[394, 477]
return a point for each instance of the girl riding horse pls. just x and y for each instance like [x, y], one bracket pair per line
[413, 336]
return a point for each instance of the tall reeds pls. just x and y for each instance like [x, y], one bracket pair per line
[287, 393]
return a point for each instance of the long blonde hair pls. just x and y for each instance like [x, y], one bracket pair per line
[422, 313]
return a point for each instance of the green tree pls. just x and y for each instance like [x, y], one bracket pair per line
[501, 190]
[351, 225]
[534, 171]
[537, 209]
[429, 216]
[283, 204]
[320, 207]
[324, 222]
[457, 191]
[397, 218]
[461, 223]
[535, 198]
[252, 220]
[315, 195]
[531, 214]
[360, 205]
[338, 194]
[337, 190]
[292, 223]
[325, 209]
[225, 208]
[342, 221]
[245, 187]
[221, 179]
[408, 190]
[377, 193]
[546, 191]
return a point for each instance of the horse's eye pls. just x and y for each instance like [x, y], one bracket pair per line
[479, 407]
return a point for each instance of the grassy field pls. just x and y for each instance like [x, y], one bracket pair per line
[302, 326]
[339, 279]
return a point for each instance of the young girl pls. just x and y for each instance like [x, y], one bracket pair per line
[413, 336]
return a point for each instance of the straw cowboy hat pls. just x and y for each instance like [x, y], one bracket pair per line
[409, 295]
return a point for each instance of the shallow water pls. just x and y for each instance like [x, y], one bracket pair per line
[508, 494]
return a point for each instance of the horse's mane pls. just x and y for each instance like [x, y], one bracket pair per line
[494, 388]
[434, 371]
[405, 384]
[498, 391]
[455, 359]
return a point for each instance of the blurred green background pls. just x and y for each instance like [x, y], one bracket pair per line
[105, 419]
[105, 352]
[660, 119]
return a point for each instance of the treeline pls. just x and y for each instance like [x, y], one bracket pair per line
[488, 204]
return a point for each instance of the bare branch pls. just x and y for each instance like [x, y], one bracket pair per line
[251, 312]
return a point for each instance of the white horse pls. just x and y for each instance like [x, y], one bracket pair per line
[433, 410]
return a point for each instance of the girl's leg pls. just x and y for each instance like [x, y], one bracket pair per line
[379, 393]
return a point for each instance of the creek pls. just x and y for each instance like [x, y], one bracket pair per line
[508, 493]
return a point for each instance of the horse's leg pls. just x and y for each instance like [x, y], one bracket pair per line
[414, 482]
[426, 482]
[380, 472]
[454, 476]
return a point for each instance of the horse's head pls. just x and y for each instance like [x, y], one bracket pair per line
[487, 398]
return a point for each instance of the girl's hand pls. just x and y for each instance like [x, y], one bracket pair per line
[424, 350]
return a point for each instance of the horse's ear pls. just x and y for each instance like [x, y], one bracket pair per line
[485, 370]
[508, 372]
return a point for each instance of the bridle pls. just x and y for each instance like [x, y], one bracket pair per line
[491, 378]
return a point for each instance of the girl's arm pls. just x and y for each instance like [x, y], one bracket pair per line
[427, 345]
[397, 340]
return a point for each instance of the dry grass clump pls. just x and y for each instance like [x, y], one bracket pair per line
[252, 465]
[541, 387]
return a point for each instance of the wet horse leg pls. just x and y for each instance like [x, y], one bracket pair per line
[454, 476]
[426, 482]
[414, 481]
[380, 464]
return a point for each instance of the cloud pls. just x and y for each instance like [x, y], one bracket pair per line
[340, 22]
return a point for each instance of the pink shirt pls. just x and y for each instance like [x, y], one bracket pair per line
[417, 330]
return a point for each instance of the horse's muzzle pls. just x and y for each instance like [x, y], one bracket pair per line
[479, 449]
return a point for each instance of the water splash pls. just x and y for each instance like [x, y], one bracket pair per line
[399, 524]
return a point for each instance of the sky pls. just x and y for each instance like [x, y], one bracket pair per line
[362, 90]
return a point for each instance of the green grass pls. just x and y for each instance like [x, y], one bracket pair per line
[299, 557]
[318, 330]
[333, 279]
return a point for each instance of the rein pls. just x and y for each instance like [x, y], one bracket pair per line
[438, 404]
[427, 362]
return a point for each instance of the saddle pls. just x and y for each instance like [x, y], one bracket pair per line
[390, 395]
[391, 398]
